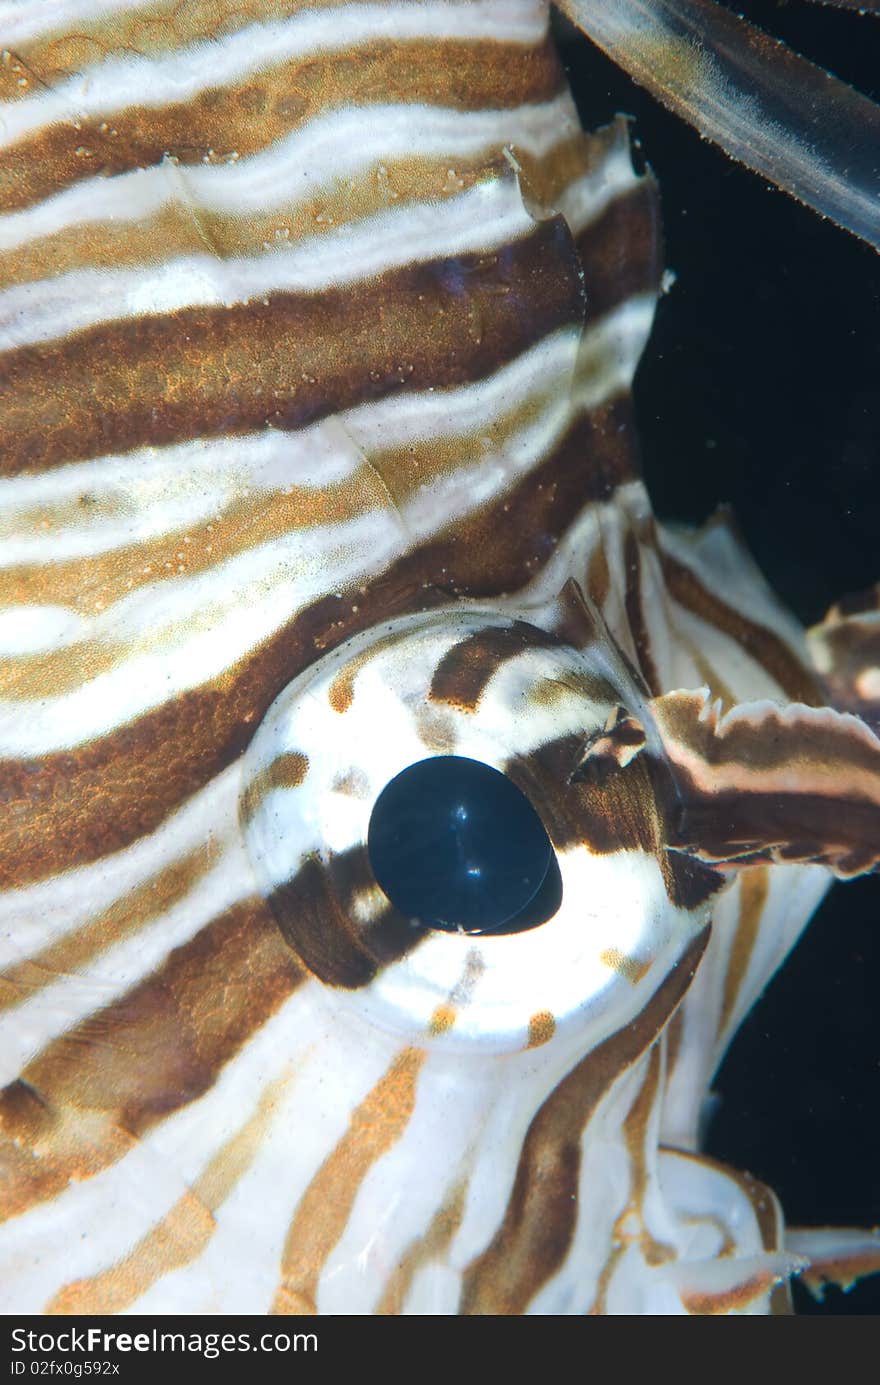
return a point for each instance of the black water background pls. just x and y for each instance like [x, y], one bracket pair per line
[761, 388]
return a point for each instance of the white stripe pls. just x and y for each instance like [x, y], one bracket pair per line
[59, 1006]
[38, 629]
[181, 75]
[182, 633]
[34, 917]
[337, 146]
[24, 20]
[149, 1180]
[150, 492]
[482, 219]
[585, 199]
[242, 1263]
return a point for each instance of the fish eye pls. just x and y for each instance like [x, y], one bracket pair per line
[455, 821]
[455, 844]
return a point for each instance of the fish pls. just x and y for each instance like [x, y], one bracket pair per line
[299, 509]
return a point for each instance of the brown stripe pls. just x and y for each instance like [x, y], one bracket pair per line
[536, 1233]
[630, 810]
[288, 359]
[376, 1125]
[767, 1214]
[741, 825]
[70, 807]
[229, 122]
[622, 250]
[754, 888]
[84, 1101]
[762, 645]
[159, 27]
[183, 1233]
[388, 477]
[180, 229]
[637, 1133]
[315, 916]
[463, 673]
[124, 917]
[689, 883]
[635, 613]
[726, 1301]
[674, 1035]
[428, 1248]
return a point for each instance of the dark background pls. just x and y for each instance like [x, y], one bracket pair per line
[761, 388]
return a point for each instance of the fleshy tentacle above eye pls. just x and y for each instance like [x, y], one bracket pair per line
[786, 119]
[845, 649]
[765, 782]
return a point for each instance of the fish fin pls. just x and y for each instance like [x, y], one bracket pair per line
[782, 116]
[845, 651]
[769, 782]
[836, 1254]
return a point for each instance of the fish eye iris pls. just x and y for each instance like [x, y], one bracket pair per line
[456, 845]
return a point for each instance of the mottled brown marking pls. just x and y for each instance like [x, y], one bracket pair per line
[126, 916]
[464, 671]
[287, 771]
[630, 968]
[354, 784]
[83, 1102]
[754, 889]
[376, 1125]
[436, 729]
[762, 645]
[442, 1020]
[535, 1235]
[182, 1234]
[542, 1027]
[222, 123]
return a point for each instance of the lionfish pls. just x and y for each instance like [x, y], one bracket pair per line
[398, 821]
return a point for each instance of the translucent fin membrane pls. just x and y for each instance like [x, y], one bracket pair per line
[766, 106]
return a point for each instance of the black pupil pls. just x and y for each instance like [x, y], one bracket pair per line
[454, 844]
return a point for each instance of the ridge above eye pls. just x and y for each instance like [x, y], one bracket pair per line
[455, 844]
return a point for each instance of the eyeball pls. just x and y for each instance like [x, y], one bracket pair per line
[458, 822]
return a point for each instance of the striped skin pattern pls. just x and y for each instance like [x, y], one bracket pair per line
[318, 323]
